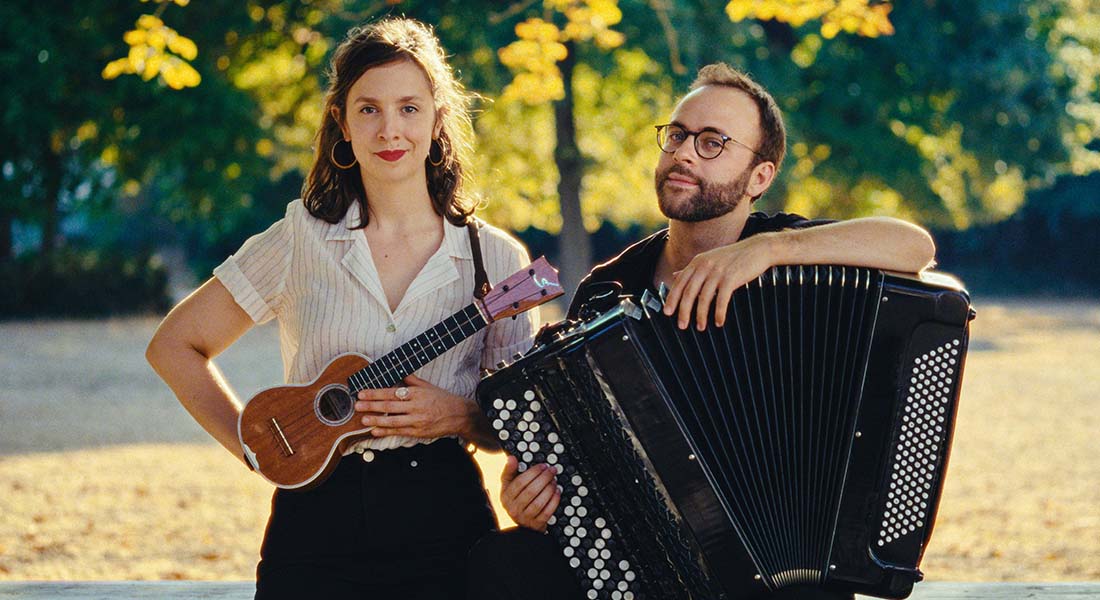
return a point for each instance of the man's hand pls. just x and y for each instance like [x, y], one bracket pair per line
[712, 277]
[531, 497]
[417, 409]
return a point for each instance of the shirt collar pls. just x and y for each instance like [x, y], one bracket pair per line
[456, 241]
[342, 229]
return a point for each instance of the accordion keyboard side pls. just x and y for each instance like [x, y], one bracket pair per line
[896, 472]
[614, 525]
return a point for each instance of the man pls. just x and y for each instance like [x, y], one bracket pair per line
[720, 152]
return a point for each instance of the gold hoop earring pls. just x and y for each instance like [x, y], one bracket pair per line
[442, 157]
[332, 156]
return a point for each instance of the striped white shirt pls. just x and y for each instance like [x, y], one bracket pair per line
[319, 280]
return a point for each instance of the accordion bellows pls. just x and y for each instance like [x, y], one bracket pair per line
[804, 443]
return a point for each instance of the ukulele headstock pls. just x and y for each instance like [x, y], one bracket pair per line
[535, 284]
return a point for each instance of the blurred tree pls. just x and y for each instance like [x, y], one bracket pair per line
[76, 143]
[948, 122]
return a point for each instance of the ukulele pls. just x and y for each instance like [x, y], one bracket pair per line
[292, 433]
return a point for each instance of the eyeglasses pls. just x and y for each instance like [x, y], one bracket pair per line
[708, 143]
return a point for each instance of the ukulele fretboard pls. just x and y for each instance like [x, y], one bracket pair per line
[389, 370]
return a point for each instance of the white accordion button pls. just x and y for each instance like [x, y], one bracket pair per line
[528, 395]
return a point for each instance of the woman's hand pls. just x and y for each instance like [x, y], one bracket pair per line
[417, 409]
[531, 497]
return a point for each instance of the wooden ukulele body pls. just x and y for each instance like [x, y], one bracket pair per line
[291, 433]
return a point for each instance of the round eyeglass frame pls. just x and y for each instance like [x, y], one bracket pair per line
[663, 141]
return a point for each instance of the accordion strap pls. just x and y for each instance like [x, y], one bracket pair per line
[481, 279]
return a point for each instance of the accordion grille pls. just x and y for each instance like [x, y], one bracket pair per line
[922, 437]
[769, 404]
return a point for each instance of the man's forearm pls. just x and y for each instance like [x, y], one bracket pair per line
[876, 242]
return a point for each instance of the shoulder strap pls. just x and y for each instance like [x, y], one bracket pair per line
[481, 280]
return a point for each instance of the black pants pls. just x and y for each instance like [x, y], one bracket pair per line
[400, 526]
[520, 564]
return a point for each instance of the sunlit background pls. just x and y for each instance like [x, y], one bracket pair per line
[143, 141]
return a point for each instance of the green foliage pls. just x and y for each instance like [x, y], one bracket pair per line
[950, 121]
[82, 283]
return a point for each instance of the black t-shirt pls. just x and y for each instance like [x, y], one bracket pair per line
[634, 267]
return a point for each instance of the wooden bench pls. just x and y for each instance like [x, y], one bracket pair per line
[243, 590]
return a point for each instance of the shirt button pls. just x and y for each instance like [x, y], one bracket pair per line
[412, 464]
[368, 456]
[391, 328]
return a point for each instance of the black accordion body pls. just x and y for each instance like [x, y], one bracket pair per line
[804, 443]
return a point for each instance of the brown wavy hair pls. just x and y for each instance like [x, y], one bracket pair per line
[328, 190]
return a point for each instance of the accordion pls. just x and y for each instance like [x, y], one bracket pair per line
[803, 443]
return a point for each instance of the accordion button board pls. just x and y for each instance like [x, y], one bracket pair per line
[803, 444]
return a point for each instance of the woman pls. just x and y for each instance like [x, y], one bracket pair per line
[375, 253]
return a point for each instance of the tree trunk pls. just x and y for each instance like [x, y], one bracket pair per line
[574, 245]
[50, 223]
[6, 250]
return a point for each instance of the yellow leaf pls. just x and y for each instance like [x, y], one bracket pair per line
[188, 75]
[265, 147]
[182, 2]
[109, 155]
[137, 57]
[86, 131]
[183, 46]
[117, 67]
[152, 66]
[156, 39]
[606, 10]
[135, 37]
[608, 39]
[149, 22]
[538, 30]
[739, 10]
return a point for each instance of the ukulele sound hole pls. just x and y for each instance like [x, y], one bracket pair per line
[334, 405]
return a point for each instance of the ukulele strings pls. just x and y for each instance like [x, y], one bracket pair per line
[292, 429]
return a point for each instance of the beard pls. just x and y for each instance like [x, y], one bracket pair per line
[710, 201]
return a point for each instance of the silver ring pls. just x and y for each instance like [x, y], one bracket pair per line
[402, 392]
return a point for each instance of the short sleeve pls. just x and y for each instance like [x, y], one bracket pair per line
[506, 337]
[256, 274]
[762, 223]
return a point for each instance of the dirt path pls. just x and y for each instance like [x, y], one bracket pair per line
[104, 476]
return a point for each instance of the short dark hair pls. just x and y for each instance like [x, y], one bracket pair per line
[773, 135]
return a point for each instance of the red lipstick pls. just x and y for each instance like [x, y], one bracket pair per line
[391, 155]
